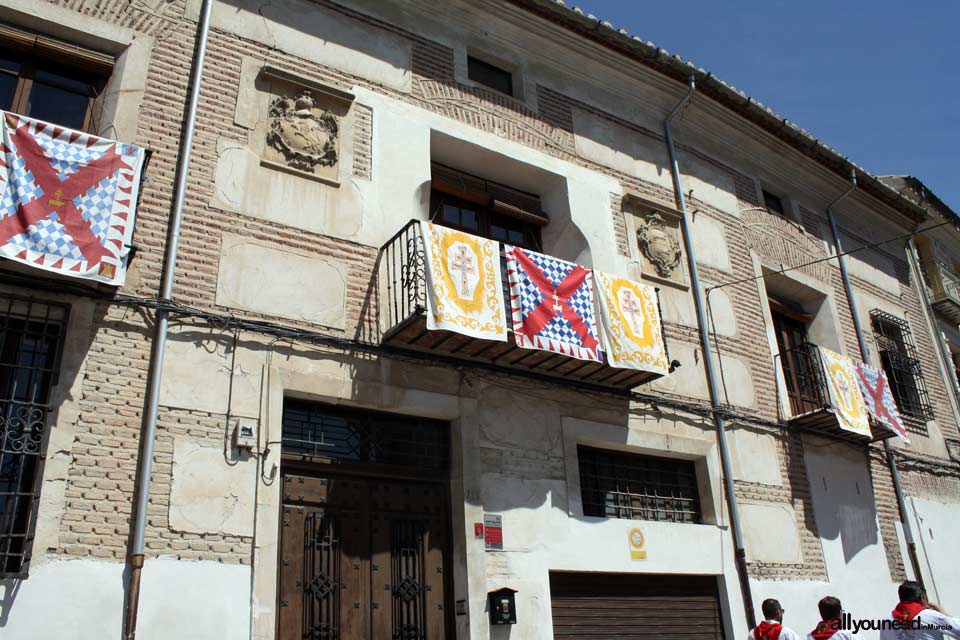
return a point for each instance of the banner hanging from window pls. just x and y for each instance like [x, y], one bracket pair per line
[67, 199]
[844, 392]
[875, 389]
[551, 304]
[464, 286]
[630, 324]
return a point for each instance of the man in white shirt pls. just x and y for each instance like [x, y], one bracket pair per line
[772, 627]
[925, 620]
[831, 619]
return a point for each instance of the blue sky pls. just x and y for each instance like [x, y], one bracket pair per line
[878, 80]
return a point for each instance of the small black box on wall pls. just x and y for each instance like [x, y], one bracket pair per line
[503, 606]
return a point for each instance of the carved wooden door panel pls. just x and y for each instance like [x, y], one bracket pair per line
[361, 559]
[324, 575]
[407, 571]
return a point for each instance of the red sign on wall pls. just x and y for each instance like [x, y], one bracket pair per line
[478, 530]
[493, 532]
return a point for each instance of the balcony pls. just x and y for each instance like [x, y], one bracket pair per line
[944, 284]
[809, 397]
[402, 277]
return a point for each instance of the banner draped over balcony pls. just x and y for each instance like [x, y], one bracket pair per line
[464, 286]
[844, 391]
[67, 199]
[552, 304]
[630, 324]
[879, 399]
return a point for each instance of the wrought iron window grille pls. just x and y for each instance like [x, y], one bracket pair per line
[31, 343]
[615, 484]
[900, 361]
[352, 435]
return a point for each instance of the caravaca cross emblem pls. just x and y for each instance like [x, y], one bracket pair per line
[633, 311]
[464, 263]
[63, 190]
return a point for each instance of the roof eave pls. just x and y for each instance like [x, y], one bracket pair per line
[673, 66]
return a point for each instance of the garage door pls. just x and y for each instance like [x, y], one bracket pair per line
[624, 606]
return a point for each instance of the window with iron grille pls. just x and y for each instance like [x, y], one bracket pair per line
[615, 484]
[318, 430]
[31, 338]
[898, 356]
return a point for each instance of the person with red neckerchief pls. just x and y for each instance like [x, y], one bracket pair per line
[914, 606]
[831, 615]
[772, 627]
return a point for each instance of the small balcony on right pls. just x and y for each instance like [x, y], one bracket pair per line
[808, 395]
[944, 285]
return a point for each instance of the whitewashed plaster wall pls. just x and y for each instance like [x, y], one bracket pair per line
[84, 600]
[935, 532]
[845, 512]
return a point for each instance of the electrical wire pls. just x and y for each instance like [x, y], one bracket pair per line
[871, 245]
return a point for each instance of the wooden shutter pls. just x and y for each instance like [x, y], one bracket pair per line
[60, 51]
[598, 606]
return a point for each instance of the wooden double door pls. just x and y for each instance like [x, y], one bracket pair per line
[362, 558]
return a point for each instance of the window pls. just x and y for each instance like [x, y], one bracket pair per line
[484, 208]
[490, 75]
[31, 334]
[614, 484]
[898, 355]
[774, 204]
[50, 80]
[316, 430]
[798, 358]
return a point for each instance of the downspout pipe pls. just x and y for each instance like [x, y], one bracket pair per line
[739, 553]
[865, 356]
[149, 429]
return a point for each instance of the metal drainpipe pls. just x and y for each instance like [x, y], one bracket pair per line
[739, 553]
[148, 433]
[865, 356]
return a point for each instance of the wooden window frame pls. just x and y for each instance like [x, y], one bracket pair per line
[493, 203]
[35, 52]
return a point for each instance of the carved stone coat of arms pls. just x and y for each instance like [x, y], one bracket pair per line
[659, 245]
[304, 134]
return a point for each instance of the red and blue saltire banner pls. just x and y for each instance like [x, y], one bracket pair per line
[67, 199]
[551, 302]
[875, 389]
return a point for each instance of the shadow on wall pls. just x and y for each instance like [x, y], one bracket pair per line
[61, 411]
[843, 498]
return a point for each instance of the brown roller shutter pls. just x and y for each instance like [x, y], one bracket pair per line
[605, 606]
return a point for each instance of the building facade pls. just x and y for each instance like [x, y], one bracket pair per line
[326, 466]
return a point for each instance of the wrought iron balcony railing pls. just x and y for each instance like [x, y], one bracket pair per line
[809, 397]
[944, 284]
[402, 279]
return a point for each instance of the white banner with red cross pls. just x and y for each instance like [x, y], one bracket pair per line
[551, 304]
[875, 389]
[67, 199]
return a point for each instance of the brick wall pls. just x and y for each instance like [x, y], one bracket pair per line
[99, 487]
